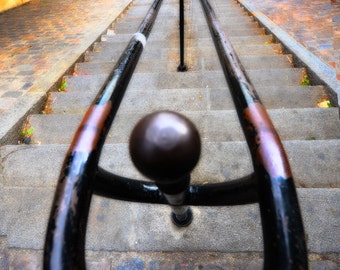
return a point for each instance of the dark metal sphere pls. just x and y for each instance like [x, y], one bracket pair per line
[165, 146]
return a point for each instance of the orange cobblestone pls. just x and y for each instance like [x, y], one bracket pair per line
[37, 35]
[313, 23]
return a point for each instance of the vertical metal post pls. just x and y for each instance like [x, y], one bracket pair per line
[165, 146]
[181, 214]
[182, 67]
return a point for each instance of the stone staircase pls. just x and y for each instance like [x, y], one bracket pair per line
[124, 235]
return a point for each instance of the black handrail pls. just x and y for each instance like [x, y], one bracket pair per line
[236, 192]
[271, 184]
[182, 66]
[65, 238]
[283, 233]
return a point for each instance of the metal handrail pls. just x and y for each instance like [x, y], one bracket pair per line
[236, 192]
[65, 238]
[182, 66]
[283, 233]
[271, 184]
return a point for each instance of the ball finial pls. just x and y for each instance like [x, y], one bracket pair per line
[165, 146]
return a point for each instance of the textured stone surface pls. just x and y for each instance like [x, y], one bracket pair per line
[104, 260]
[121, 226]
[40, 41]
[291, 124]
[299, 18]
[219, 237]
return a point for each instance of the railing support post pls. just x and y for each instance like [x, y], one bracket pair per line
[181, 214]
[165, 147]
[182, 66]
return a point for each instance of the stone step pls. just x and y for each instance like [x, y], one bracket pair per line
[168, 10]
[194, 16]
[193, 99]
[132, 27]
[199, 32]
[107, 52]
[243, 40]
[119, 40]
[164, 24]
[159, 37]
[150, 227]
[112, 54]
[89, 85]
[170, 62]
[245, 46]
[138, 11]
[110, 36]
[229, 32]
[291, 124]
[180, 80]
[146, 65]
[314, 163]
[125, 24]
[199, 18]
[93, 83]
[32, 259]
[321, 151]
[136, 101]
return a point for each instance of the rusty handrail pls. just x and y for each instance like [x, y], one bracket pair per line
[182, 66]
[283, 233]
[65, 237]
[271, 184]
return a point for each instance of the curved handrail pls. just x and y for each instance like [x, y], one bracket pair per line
[271, 184]
[236, 192]
[65, 238]
[283, 233]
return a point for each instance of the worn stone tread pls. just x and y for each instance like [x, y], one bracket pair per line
[214, 125]
[150, 227]
[147, 65]
[315, 163]
[159, 37]
[165, 24]
[173, 80]
[195, 99]
[105, 260]
[107, 52]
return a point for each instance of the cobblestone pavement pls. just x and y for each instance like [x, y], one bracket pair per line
[313, 23]
[40, 40]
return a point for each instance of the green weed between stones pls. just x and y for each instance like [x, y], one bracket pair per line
[26, 135]
[305, 80]
[62, 87]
